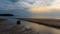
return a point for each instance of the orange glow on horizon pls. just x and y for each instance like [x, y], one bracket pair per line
[37, 8]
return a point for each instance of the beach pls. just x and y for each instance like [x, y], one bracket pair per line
[10, 27]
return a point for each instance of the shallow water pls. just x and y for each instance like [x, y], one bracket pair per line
[36, 27]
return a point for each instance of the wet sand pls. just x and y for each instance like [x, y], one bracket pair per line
[8, 27]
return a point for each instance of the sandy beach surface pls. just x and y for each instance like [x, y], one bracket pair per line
[10, 27]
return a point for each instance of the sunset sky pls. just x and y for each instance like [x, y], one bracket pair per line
[46, 8]
[43, 8]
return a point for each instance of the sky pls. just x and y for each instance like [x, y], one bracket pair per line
[35, 8]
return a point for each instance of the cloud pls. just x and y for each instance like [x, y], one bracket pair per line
[13, 4]
[45, 6]
[14, 1]
[18, 4]
[32, 5]
[19, 8]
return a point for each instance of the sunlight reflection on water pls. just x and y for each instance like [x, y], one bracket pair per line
[36, 27]
[41, 28]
